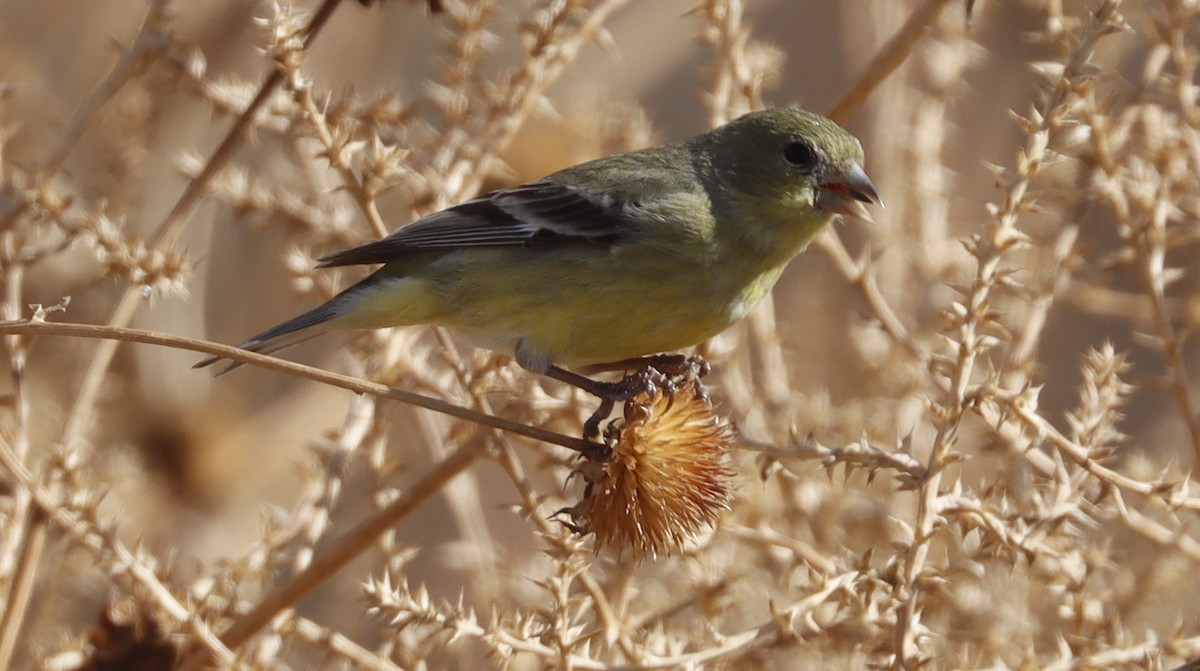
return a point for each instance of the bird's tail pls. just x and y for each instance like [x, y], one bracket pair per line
[292, 332]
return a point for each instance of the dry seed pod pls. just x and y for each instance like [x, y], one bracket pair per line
[668, 478]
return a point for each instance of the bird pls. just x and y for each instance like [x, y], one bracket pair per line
[613, 260]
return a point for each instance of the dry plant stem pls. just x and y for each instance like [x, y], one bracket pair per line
[925, 203]
[170, 228]
[803, 552]
[787, 624]
[1148, 238]
[1151, 255]
[531, 501]
[84, 533]
[982, 517]
[860, 274]
[887, 59]
[355, 542]
[462, 495]
[78, 418]
[1165, 494]
[1151, 529]
[334, 152]
[737, 89]
[1150, 244]
[150, 38]
[359, 657]
[166, 233]
[993, 247]
[504, 639]
[861, 453]
[31, 530]
[357, 423]
[19, 550]
[1112, 303]
[466, 175]
[310, 519]
[1134, 656]
[17, 603]
[80, 413]
[465, 52]
[614, 627]
[273, 363]
[1021, 356]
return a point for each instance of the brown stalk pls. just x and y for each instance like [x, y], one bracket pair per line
[994, 246]
[272, 363]
[887, 59]
[79, 415]
[16, 604]
[345, 549]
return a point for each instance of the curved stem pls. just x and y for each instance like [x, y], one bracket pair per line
[300, 370]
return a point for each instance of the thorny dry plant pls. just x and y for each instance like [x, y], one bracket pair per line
[966, 435]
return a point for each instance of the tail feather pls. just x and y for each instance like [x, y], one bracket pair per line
[292, 332]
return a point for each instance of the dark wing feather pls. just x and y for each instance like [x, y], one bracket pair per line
[537, 213]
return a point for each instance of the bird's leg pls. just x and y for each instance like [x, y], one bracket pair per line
[670, 365]
[674, 370]
[609, 393]
[621, 390]
[668, 372]
[591, 428]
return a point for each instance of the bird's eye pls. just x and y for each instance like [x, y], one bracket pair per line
[800, 154]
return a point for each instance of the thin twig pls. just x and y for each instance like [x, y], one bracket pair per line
[299, 370]
[150, 39]
[344, 550]
[890, 57]
[88, 535]
[990, 250]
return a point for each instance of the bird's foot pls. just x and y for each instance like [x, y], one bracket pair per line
[679, 371]
[667, 373]
[644, 381]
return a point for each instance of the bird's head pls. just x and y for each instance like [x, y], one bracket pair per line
[790, 165]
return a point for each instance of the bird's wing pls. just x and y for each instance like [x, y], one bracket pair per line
[538, 213]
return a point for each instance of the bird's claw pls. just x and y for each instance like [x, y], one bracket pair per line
[668, 373]
[591, 428]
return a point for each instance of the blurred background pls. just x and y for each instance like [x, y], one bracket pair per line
[194, 467]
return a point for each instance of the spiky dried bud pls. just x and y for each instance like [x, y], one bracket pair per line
[134, 261]
[669, 476]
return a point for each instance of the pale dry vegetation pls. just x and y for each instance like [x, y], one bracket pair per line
[965, 435]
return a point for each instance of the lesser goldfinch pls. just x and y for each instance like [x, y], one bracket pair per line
[639, 253]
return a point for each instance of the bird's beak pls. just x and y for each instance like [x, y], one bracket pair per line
[847, 192]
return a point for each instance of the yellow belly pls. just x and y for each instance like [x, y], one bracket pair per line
[579, 307]
[589, 314]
